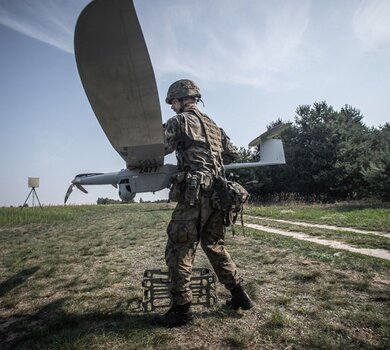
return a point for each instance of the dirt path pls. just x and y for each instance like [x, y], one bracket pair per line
[329, 227]
[378, 253]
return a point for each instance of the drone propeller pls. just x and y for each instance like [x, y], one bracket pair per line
[70, 190]
[81, 188]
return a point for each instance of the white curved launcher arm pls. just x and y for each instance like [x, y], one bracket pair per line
[271, 153]
[271, 149]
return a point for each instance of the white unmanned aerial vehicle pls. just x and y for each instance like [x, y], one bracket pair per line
[117, 75]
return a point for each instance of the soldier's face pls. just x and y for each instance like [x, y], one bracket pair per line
[176, 105]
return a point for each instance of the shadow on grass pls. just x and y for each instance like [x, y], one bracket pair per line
[16, 280]
[53, 327]
[32, 331]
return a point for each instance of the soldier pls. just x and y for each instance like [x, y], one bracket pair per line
[201, 150]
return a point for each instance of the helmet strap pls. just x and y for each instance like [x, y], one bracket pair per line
[182, 105]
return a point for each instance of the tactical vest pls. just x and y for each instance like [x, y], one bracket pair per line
[201, 146]
[213, 138]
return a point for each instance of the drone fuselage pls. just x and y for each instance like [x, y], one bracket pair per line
[132, 181]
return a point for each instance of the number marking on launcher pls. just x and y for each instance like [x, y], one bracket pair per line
[151, 169]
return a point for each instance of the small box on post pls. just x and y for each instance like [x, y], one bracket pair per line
[33, 182]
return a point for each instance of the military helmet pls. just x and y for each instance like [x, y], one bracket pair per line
[182, 88]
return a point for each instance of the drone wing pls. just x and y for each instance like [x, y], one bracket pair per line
[117, 75]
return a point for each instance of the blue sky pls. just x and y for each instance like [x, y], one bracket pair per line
[254, 60]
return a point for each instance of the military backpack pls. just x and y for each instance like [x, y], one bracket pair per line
[229, 197]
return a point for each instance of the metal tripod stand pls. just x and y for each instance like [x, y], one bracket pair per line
[34, 194]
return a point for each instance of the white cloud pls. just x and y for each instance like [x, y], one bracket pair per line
[371, 23]
[51, 22]
[249, 42]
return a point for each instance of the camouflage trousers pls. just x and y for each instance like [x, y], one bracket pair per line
[189, 226]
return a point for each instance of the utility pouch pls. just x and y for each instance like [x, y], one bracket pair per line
[177, 187]
[193, 182]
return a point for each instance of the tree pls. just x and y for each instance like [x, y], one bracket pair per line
[352, 153]
[330, 155]
[377, 172]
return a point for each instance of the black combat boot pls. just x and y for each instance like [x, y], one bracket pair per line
[176, 316]
[240, 299]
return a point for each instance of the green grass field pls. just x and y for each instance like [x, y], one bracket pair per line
[70, 278]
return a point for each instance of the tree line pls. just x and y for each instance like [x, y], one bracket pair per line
[331, 155]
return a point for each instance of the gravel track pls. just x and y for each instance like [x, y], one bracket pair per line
[329, 227]
[378, 253]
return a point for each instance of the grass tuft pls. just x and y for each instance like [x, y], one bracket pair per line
[307, 276]
[239, 338]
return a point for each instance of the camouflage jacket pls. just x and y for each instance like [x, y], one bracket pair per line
[199, 143]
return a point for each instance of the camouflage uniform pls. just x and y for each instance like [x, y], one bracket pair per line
[201, 149]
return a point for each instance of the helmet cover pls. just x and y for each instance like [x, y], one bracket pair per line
[182, 88]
